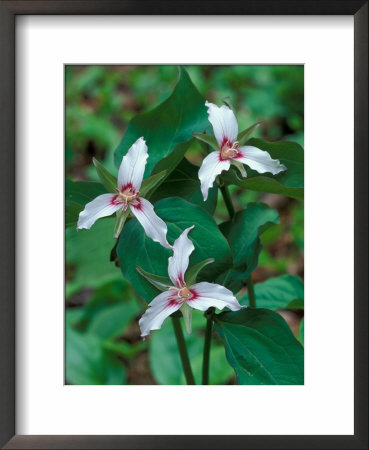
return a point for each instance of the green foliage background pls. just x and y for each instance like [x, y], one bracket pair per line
[102, 340]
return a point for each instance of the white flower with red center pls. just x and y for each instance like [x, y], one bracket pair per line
[225, 129]
[127, 195]
[199, 296]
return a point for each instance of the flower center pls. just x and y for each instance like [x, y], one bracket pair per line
[229, 152]
[184, 293]
[127, 195]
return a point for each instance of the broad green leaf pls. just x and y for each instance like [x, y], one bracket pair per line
[151, 183]
[244, 135]
[83, 192]
[88, 363]
[191, 274]
[87, 253]
[301, 331]
[286, 291]
[111, 321]
[160, 283]
[184, 182]
[242, 233]
[208, 139]
[123, 349]
[289, 183]
[72, 210]
[167, 128]
[261, 347]
[106, 178]
[77, 194]
[136, 249]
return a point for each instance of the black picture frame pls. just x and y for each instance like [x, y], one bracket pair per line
[8, 12]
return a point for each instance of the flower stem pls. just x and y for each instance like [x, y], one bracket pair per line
[227, 200]
[183, 350]
[207, 345]
[250, 288]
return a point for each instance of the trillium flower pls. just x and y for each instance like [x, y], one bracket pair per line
[199, 296]
[225, 129]
[127, 196]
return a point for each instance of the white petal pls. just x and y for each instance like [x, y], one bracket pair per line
[259, 160]
[210, 294]
[178, 263]
[211, 166]
[102, 206]
[224, 123]
[154, 227]
[133, 164]
[159, 309]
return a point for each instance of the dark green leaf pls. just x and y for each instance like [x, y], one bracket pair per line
[111, 321]
[242, 233]
[168, 127]
[88, 363]
[152, 183]
[88, 252]
[286, 291]
[301, 331]
[208, 139]
[192, 273]
[161, 283]
[184, 182]
[244, 135]
[77, 194]
[289, 183]
[106, 178]
[261, 347]
[136, 249]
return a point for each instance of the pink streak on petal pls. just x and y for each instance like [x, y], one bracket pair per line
[226, 143]
[115, 201]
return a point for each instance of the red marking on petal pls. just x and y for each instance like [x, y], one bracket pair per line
[220, 157]
[194, 294]
[137, 204]
[226, 143]
[174, 300]
[128, 187]
[115, 200]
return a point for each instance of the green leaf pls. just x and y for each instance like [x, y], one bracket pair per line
[77, 194]
[286, 291]
[289, 183]
[168, 128]
[87, 253]
[88, 363]
[136, 249]
[242, 233]
[111, 321]
[301, 331]
[161, 283]
[123, 349]
[106, 178]
[184, 182]
[261, 347]
[152, 183]
[244, 135]
[191, 274]
[208, 139]
[83, 192]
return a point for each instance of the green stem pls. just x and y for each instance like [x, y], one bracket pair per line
[183, 350]
[207, 345]
[250, 288]
[227, 200]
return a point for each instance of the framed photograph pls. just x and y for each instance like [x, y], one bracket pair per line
[166, 225]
